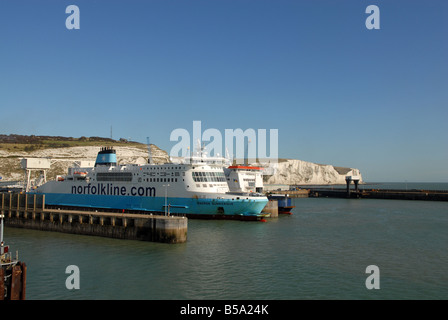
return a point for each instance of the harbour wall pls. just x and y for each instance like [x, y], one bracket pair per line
[302, 193]
[428, 195]
[29, 211]
[395, 194]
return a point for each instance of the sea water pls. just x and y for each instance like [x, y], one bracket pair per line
[322, 251]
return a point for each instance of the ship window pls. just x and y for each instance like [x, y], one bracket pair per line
[114, 176]
[208, 176]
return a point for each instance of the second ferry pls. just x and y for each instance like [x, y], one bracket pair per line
[196, 188]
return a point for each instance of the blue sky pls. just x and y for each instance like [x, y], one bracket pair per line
[337, 92]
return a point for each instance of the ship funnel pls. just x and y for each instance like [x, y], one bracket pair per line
[106, 157]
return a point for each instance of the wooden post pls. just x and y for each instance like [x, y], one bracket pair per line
[23, 296]
[26, 202]
[18, 282]
[18, 205]
[2, 284]
[10, 205]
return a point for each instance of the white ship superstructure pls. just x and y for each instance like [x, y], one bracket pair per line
[244, 178]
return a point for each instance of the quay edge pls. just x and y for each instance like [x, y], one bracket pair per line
[29, 211]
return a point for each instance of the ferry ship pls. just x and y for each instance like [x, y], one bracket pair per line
[195, 188]
[244, 178]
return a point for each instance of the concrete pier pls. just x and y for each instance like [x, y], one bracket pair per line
[348, 180]
[302, 193]
[29, 211]
[428, 195]
[272, 208]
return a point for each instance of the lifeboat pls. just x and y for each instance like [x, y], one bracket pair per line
[80, 174]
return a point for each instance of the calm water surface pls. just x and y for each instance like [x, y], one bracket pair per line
[320, 252]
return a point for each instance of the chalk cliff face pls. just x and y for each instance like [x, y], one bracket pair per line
[63, 158]
[284, 172]
[302, 172]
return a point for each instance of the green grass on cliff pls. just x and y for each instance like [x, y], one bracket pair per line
[18, 143]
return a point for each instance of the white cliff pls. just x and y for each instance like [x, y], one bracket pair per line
[288, 171]
[63, 158]
[298, 172]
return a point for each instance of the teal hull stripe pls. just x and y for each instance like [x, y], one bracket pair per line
[179, 205]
